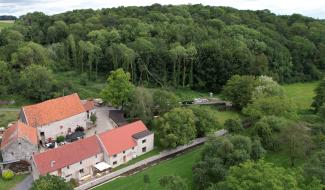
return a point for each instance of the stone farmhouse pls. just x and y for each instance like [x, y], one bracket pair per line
[19, 142]
[88, 157]
[57, 117]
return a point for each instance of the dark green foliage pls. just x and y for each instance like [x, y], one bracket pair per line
[164, 101]
[146, 178]
[233, 125]
[60, 139]
[220, 154]
[173, 183]
[50, 182]
[315, 167]
[93, 118]
[319, 99]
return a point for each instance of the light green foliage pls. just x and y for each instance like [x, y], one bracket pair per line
[118, 88]
[176, 127]
[270, 106]
[8, 175]
[173, 183]
[51, 182]
[205, 120]
[239, 90]
[141, 104]
[266, 87]
[37, 82]
[258, 175]
[234, 125]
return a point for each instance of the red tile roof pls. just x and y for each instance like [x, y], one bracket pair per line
[67, 154]
[119, 139]
[53, 110]
[19, 130]
[88, 105]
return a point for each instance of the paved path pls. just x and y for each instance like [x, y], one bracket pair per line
[163, 154]
[9, 109]
[25, 184]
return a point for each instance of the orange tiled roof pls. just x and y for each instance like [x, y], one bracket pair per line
[67, 154]
[53, 110]
[119, 139]
[89, 105]
[19, 130]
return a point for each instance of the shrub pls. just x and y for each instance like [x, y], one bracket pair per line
[93, 118]
[7, 174]
[60, 139]
[74, 182]
[234, 125]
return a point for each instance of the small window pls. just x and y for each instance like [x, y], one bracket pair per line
[115, 162]
[68, 167]
[80, 162]
[42, 133]
[115, 155]
[96, 156]
[144, 149]
[61, 127]
[81, 171]
[68, 176]
[132, 148]
[144, 141]
[12, 153]
[124, 152]
[19, 143]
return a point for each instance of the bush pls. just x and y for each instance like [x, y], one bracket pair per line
[74, 182]
[60, 139]
[7, 174]
[234, 125]
[93, 118]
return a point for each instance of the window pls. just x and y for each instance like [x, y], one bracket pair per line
[19, 143]
[80, 162]
[115, 156]
[12, 153]
[61, 127]
[42, 134]
[68, 175]
[115, 162]
[96, 156]
[68, 167]
[132, 148]
[144, 149]
[81, 171]
[144, 141]
[123, 151]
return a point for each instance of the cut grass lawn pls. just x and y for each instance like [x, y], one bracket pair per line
[10, 184]
[5, 24]
[181, 166]
[302, 94]
[7, 117]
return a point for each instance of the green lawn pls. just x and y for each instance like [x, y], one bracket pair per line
[181, 166]
[282, 159]
[137, 159]
[302, 94]
[7, 185]
[7, 116]
[6, 24]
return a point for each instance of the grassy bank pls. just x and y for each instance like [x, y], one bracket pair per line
[181, 166]
[10, 184]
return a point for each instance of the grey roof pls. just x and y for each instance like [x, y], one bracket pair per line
[118, 117]
[142, 134]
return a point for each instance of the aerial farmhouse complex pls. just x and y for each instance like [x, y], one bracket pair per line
[101, 146]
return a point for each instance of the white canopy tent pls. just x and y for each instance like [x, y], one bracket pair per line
[102, 166]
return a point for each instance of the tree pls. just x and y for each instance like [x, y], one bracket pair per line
[93, 118]
[176, 127]
[234, 125]
[141, 104]
[267, 87]
[258, 175]
[239, 90]
[315, 167]
[319, 99]
[50, 182]
[173, 183]
[205, 121]
[164, 101]
[37, 82]
[296, 142]
[5, 78]
[321, 111]
[270, 106]
[118, 88]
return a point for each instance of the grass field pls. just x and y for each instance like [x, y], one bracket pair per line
[8, 185]
[7, 116]
[6, 23]
[302, 94]
[181, 166]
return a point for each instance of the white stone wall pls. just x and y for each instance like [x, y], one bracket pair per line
[119, 158]
[149, 143]
[54, 129]
[19, 150]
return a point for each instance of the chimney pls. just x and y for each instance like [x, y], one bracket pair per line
[52, 163]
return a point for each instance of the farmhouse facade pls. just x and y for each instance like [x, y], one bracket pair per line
[19, 142]
[81, 159]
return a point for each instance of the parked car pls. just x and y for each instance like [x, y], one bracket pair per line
[50, 145]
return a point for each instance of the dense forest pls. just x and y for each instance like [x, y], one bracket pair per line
[181, 46]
